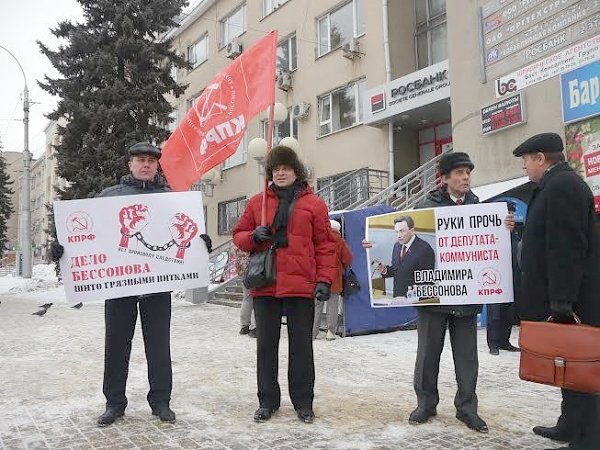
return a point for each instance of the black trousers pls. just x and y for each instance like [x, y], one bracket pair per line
[301, 369]
[580, 417]
[431, 331]
[120, 316]
[500, 318]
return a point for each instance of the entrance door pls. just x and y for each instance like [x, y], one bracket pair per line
[434, 140]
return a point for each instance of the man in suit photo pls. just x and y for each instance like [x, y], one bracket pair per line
[410, 253]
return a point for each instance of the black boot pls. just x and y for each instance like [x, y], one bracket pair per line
[555, 433]
[111, 414]
[306, 415]
[263, 414]
[421, 415]
[164, 413]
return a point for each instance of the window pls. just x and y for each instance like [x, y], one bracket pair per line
[340, 25]
[174, 115]
[341, 108]
[192, 100]
[173, 71]
[271, 5]
[286, 55]
[289, 127]
[229, 214]
[233, 25]
[197, 53]
[431, 40]
[239, 157]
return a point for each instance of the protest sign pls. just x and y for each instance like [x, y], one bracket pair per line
[131, 245]
[455, 255]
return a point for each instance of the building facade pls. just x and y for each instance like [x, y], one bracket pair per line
[388, 85]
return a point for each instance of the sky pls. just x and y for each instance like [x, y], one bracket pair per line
[22, 23]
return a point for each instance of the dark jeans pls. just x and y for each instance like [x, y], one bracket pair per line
[580, 417]
[500, 318]
[120, 316]
[301, 369]
[431, 331]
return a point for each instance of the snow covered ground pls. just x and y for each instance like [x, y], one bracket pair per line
[51, 380]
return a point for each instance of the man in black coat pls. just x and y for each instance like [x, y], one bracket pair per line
[120, 314]
[409, 254]
[560, 265]
[461, 320]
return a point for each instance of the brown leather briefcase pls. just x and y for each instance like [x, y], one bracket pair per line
[563, 355]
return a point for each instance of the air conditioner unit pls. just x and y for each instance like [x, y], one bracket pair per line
[351, 49]
[284, 80]
[301, 110]
[233, 49]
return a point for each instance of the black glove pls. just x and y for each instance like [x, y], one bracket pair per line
[562, 312]
[261, 234]
[56, 251]
[322, 291]
[207, 241]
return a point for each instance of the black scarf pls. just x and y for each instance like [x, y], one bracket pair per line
[286, 195]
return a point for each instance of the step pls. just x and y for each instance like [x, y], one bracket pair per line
[225, 302]
[230, 295]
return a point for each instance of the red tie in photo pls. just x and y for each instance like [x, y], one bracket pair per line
[459, 201]
[403, 252]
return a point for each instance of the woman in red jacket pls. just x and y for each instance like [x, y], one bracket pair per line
[298, 225]
[343, 257]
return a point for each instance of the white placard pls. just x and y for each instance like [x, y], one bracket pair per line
[131, 245]
[472, 263]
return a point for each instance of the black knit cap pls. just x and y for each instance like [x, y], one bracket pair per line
[281, 155]
[452, 160]
[144, 148]
[540, 143]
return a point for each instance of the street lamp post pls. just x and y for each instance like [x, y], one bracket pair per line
[25, 204]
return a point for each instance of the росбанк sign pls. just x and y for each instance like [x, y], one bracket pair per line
[580, 90]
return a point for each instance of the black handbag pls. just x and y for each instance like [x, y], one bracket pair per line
[350, 282]
[260, 271]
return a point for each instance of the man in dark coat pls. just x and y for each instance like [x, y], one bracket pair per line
[560, 264]
[461, 320]
[120, 314]
[409, 254]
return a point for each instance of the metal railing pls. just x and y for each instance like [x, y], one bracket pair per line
[7, 266]
[221, 263]
[354, 187]
[409, 190]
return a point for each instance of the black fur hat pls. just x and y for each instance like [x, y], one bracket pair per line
[452, 160]
[281, 155]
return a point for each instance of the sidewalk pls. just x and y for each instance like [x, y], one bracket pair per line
[51, 379]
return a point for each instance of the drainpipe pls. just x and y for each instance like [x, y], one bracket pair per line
[388, 78]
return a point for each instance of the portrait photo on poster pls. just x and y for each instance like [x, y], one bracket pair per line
[439, 256]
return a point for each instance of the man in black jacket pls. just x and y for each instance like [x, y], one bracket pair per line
[560, 267]
[432, 321]
[120, 314]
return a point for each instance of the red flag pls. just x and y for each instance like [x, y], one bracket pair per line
[215, 125]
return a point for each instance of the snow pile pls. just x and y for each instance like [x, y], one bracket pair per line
[43, 284]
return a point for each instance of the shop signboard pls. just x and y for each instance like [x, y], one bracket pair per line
[503, 114]
[583, 152]
[563, 61]
[580, 90]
